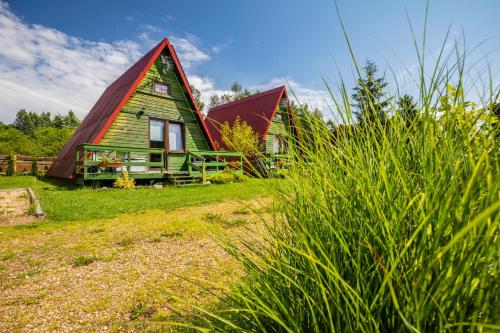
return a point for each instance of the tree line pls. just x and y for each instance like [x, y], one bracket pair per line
[369, 96]
[371, 108]
[36, 134]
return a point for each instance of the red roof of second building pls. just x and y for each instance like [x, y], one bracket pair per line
[107, 107]
[256, 110]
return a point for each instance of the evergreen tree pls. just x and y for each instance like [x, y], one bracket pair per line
[58, 122]
[37, 134]
[11, 164]
[408, 109]
[34, 167]
[368, 96]
[197, 97]
[214, 101]
[71, 120]
[236, 92]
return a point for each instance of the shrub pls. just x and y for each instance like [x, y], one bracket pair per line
[227, 177]
[171, 234]
[240, 137]
[34, 167]
[11, 164]
[124, 181]
[141, 309]
[127, 241]
[84, 260]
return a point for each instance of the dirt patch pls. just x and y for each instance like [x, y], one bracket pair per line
[14, 207]
[121, 274]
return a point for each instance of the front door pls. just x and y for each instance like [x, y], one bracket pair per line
[156, 139]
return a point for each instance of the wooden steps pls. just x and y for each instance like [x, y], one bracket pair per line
[184, 179]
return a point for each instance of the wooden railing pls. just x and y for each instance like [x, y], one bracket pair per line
[94, 162]
[210, 162]
[274, 162]
[196, 162]
[217, 161]
[105, 162]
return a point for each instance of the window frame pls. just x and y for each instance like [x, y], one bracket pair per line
[183, 136]
[166, 133]
[167, 85]
[282, 144]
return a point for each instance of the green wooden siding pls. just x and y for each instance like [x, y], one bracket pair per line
[131, 130]
[277, 127]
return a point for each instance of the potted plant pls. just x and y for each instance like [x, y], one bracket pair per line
[234, 164]
[110, 163]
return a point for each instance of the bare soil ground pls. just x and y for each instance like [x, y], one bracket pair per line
[120, 274]
[14, 207]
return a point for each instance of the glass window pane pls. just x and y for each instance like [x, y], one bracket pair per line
[161, 88]
[276, 145]
[175, 136]
[156, 132]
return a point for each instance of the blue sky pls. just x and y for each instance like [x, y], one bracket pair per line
[60, 54]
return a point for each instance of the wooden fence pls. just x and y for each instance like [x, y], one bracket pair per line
[24, 163]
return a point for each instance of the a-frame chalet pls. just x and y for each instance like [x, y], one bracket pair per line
[146, 122]
[269, 115]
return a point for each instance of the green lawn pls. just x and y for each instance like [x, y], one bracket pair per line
[61, 201]
[114, 258]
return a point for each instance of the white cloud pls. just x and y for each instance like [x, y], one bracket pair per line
[188, 50]
[297, 92]
[43, 69]
[167, 18]
[315, 98]
[151, 28]
[206, 86]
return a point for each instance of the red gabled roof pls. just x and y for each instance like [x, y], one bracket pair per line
[107, 107]
[256, 110]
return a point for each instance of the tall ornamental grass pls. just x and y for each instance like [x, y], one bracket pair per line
[388, 226]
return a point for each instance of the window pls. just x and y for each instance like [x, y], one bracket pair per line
[279, 145]
[175, 137]
[157, 133]
[161, 88]
[156, 138]
[276, 145]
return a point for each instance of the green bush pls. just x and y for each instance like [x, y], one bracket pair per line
[84, 260]
[11, 165]
[34, 167]
[227, 177]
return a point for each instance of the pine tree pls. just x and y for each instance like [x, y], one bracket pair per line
[408, 109]
[368, 95]
[34, 167]
[11, 164]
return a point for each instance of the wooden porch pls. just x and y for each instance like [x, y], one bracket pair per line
[275, 162]
[104, 162]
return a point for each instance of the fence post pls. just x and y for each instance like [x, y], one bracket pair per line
[203, 173]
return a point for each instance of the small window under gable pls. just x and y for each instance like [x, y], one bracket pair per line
[284, 103]
[161, 88]
[277, 116]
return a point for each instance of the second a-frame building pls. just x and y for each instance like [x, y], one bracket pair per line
[146, 122]
[271, 118]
